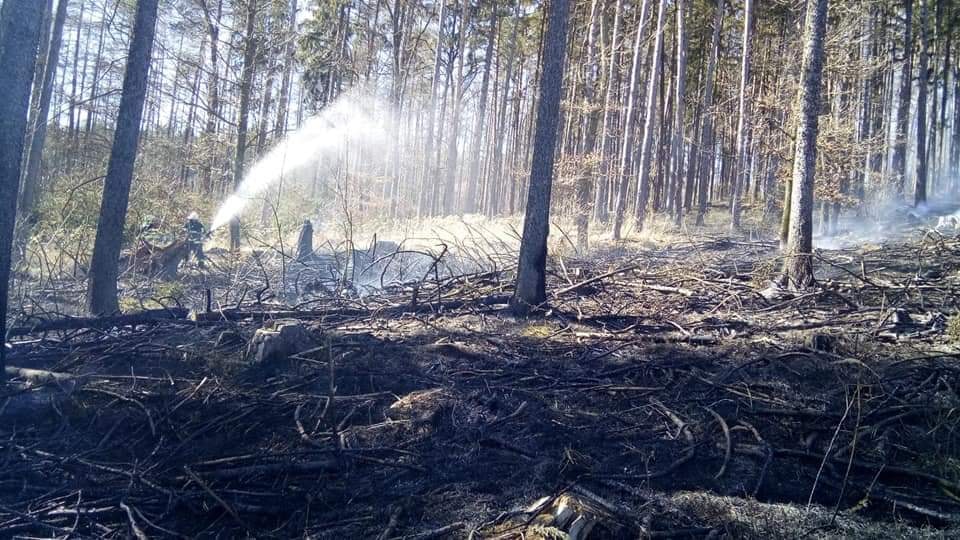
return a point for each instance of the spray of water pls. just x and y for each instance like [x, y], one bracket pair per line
[353, 119]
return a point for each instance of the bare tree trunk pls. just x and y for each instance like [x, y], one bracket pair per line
[450, 192]
[646, 148]
[496, 194]
[427, 179]
[591, 80]
[212, 20]
[19, 38]
[246, 84]
[41, 110]
[607, 177]
[40, 68]
[920, 190]
[283, 99]
[798, 262]
[95, 84]
[678, 112]
[531, 270]
[74, 113]
[903, 109]
[623, 175]
[740, 173]
[102, 287]
[707, 143]
[473, 176]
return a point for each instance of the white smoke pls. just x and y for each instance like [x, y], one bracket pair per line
[352, 119]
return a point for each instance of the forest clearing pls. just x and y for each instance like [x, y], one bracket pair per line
[479, 269]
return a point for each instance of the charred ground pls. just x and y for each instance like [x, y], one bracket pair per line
[661, 394]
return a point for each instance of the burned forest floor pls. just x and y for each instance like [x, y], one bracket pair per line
[666, 392]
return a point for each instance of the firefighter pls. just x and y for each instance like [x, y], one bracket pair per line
[195, 235]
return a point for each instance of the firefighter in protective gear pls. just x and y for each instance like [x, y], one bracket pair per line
[195, 235]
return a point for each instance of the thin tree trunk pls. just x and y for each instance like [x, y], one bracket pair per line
[740, 173]
[213, 86]
[623, 175]
[678, 112]
[473, 176]
[920, 190]
[41, 110]
[427, 180]
[707, 142]
[646, 148]
[246, 84]
[607, 178]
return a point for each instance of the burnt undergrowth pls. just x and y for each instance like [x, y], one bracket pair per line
[661, 394]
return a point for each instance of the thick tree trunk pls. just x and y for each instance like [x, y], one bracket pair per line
[102, 287]
[531, 269]
[798, 262]
[19, 37]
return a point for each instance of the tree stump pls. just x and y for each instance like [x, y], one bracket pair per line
[305, 241]
[279, 340]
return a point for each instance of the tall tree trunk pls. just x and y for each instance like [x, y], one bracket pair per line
[646, 148]
[74, 113]
[450, 192]
[920, 190]
[591, 76]
[607, 177]
[40, 68]
[95, 84]
[626, 145]
[427, 178]
[496, 193]
[102, 287]
[531, 270]
[798, 262]
[246, 86]
[678, 111]
[903, 109]
[473, 176]
[41, 110]
[283, 98]
[741, 171]
[19, 38]
[212, 20]
[707, 143]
